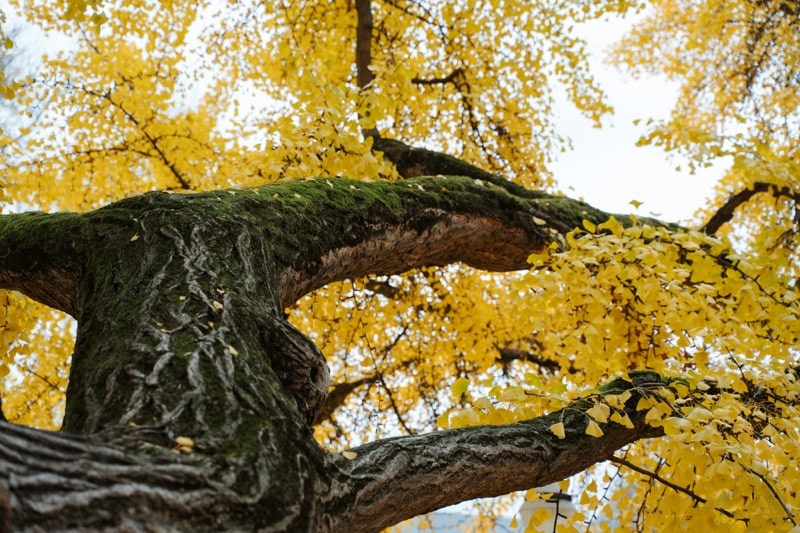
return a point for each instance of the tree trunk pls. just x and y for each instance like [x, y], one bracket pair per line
[190, 396]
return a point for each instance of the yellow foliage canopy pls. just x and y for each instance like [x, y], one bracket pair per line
[185, 95]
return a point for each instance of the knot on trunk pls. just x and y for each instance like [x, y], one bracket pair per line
[300, 367]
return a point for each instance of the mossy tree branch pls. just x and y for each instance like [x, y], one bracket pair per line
[182, 339]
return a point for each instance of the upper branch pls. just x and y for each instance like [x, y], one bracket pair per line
[725, 213]
[42, 256]
[365, 228]
[364, 42]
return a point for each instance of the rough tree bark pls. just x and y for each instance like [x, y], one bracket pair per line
[190, 396]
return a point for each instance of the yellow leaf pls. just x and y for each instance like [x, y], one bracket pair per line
[557, 429]
[532, 495]
[184, 441]
[460, 386]
[653, 415]
[349, 455]
[463, 418]
[184, 445]
[599, 412]
[617, 400]
[593, 429]
[622, 418]
[613, 226]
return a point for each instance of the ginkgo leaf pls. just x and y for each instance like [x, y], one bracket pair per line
[557, 429]
[184, 441]
[599, 412]
[617, 400]
[622, 418]
[459, 387]
[593, 429]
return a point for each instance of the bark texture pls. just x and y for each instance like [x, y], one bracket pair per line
[190, 396]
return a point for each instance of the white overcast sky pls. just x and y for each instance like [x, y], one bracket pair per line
[606, 168]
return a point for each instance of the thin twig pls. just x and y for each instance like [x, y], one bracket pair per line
[774, 492]
[683, 490]
[725, 213]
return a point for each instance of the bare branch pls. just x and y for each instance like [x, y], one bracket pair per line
[507, 355]
[450, 78]
[677, 488]
[725, 213]
[774, 493]
[364, 75]
[339, 393]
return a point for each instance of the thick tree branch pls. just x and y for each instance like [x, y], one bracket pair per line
[355, 228]
[42, 255]
[394, 479]
[393, 227]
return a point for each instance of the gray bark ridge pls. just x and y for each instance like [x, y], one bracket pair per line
[189, 386]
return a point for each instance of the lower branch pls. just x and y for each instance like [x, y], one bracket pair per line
[395, 479]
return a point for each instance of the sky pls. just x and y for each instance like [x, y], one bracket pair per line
[606, 168]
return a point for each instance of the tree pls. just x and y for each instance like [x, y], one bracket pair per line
[192, 391]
